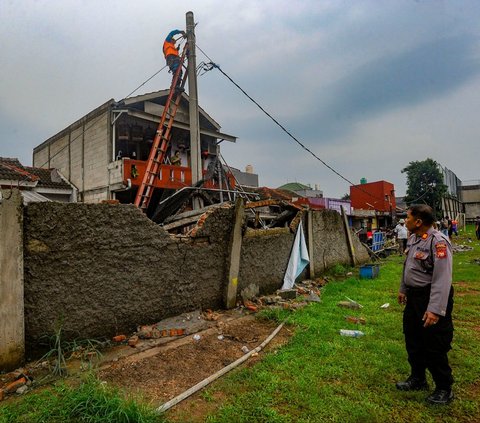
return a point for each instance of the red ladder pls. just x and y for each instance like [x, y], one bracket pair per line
[162, 138]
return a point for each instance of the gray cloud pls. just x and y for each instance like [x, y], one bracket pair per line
[418, 75]
[343, 76]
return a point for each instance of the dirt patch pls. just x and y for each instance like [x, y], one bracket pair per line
[466, 288]
[166, 371]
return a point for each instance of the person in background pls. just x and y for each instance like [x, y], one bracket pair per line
[477, 227]
[454, 227]
[369, 237]
[176, 160]
[427, 292]
[449, 227]
[401, 234]
[170, 51]
[444, 226]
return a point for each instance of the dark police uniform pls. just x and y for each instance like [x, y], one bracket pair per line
[427, 283]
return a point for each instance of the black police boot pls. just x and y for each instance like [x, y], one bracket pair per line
[412, 384]
[440, 397]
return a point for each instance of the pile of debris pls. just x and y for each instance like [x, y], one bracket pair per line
[149, 337]
[299, 296]
[264, 214]
[461, 248]
[19, 381]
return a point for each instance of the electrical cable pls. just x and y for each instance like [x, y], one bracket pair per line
[94, 122]
[206, 68]
[141, 85]
[214, 65]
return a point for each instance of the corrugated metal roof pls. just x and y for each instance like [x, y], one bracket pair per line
[294, 186]
[33, 197]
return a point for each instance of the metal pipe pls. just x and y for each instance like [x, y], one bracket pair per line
[205, 189]
[215, 376]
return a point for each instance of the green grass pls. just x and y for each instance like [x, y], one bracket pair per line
[319, 376]
[90, 402]
[323, 377]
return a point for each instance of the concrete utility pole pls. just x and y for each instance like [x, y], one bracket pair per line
[193, 102]
[234, 251]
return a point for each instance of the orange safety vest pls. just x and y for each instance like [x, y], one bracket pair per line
[169, 49]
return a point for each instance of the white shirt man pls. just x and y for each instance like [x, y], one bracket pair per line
[401, 232]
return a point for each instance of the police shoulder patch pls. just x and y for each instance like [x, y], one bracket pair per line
[441, 250]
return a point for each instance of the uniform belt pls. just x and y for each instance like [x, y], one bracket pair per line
[419, 289]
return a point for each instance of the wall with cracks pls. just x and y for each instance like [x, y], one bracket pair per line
[98, 270]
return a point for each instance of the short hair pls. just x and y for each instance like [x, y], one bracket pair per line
[423, 212]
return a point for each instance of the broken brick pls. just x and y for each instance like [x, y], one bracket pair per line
[12, 387]
[119, 338]
[287, 294]
[133, 341]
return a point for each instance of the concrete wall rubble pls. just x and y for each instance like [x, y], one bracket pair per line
[102, 269]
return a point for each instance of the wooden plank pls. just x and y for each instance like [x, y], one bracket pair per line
[349, 237]
[311, 265]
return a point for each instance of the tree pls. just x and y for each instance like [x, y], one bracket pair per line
[346, 197]
[425, 184]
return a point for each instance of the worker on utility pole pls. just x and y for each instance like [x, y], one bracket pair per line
[170, 51]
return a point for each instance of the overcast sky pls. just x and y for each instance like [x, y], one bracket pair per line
[368, 86]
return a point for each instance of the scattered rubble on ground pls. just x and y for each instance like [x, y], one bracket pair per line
[148, 338]
[18, 381]
[357, 320]
[349, 304]
[460, 248]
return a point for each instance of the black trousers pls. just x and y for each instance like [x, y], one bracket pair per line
[427, 348]
[173, 62]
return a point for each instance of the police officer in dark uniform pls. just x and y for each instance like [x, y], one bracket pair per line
[427, 292]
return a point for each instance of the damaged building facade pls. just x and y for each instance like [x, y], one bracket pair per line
[104, 153]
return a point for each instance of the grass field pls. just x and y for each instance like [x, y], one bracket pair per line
[319, 376]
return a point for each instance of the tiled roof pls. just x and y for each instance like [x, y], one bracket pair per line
[48, 178]
[13, 170]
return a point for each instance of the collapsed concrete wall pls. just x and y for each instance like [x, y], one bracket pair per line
[99, 270]
[264, 258]
[330, 244]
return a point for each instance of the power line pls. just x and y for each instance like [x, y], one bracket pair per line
[94, 121]
[141, 85]
[214, 65]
